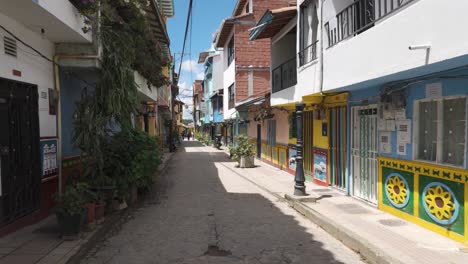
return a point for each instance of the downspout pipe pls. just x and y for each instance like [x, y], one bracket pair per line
[321, 47]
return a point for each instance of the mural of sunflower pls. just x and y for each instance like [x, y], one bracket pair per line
[440, 203]
[397, 190]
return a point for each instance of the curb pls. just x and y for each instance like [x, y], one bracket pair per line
[348, 237]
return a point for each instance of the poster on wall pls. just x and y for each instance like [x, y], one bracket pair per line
[401, 149]
[292, 159]
[320, 166]
[403, 131]
[49, 164]
[385, 140]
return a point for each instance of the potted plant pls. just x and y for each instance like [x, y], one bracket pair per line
[69, 210]
[243, 152]
[100, 207]
[90, 205]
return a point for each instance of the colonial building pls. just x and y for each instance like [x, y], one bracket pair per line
[386, 108]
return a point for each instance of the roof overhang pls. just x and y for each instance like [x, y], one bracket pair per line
[158, 29]
[239, 7]
[228, 25]
[272, 22]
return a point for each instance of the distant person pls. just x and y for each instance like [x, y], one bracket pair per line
[189, 135]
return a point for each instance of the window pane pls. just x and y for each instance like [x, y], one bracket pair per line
[427, 147]
[454, 127]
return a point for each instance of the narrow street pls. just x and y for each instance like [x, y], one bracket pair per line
[203, 212]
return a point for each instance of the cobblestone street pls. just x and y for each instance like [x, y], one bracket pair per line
[203, 212]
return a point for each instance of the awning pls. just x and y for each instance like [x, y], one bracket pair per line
[272, 22]
[326, 99]
[227, 26]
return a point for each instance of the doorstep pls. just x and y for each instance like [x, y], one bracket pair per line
[378, 236]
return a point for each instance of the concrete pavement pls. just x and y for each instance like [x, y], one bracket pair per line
[378, 236]
[204, 211]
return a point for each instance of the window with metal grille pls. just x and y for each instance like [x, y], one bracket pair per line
[308, 29]
[441, 131]
[10, 46]
[230, 51]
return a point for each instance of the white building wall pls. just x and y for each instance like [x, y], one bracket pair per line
[308, 75]
[218, 72]
[34, 69]
[383, 49]
[229, 77]
[147, 94]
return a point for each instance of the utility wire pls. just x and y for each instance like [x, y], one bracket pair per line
[189, 15]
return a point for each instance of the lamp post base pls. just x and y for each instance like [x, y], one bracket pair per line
[300, 191]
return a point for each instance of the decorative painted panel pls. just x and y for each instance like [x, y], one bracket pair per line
[274, 155]
[431, 196]
[283, 156]
[320, 173]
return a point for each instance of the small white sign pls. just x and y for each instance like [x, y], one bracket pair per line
[400, 114]
[434, 90]
[390, 124]
[401, 149]
[385, 142]
[403, 131]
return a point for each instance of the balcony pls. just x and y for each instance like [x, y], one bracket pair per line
[58, 20]
[308, 54]
[358, 17]
[284, 76]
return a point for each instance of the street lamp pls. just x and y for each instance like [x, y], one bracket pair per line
[299, 186]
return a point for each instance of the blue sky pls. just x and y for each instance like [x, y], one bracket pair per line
[207, 17]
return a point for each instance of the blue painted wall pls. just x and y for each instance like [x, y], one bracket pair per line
[416, 91]
[71, 89]
[217, 112]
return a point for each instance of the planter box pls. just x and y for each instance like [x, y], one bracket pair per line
[69, 225]
[247, 162]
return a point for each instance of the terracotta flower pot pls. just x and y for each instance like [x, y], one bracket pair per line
[91, 212]
[99, 212]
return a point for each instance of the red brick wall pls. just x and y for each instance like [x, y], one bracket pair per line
[261, 84]
[261, 6]
[255, 53]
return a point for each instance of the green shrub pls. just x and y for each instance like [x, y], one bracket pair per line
[243, 148]
[72, 200]
[132, 157]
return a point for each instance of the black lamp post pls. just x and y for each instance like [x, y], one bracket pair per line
[299, 186]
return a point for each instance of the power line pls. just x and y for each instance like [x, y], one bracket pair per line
[189, 15]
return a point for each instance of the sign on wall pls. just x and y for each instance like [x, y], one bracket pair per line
[292, 159]
[49, 164]
[320, 166]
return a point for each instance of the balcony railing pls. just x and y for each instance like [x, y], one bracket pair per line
[358, 17]
[308, 54]
[285, 75]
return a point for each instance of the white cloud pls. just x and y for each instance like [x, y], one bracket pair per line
[192, 66]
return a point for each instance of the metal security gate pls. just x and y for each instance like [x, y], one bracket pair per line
[19, 150]
[364, 152]
[338, 147]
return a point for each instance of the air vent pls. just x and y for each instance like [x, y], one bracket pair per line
[10, 46]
